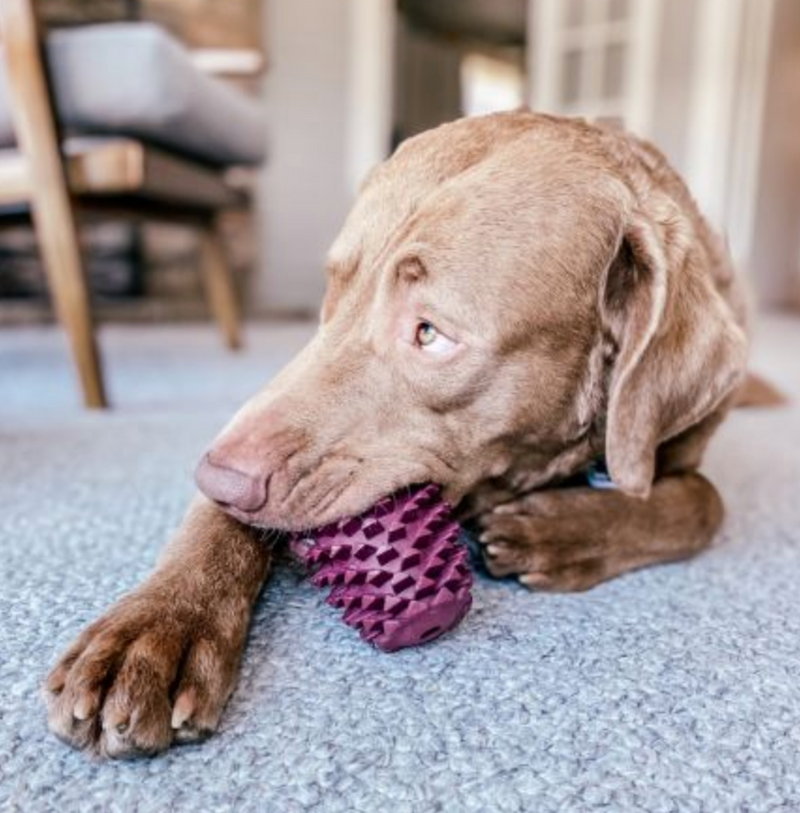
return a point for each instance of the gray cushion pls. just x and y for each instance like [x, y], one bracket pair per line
[134, 79]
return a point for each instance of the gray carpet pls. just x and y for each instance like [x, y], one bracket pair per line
[672, 689]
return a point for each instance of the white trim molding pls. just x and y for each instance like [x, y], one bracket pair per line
[643, 70]
[371, 78]
[544, 50]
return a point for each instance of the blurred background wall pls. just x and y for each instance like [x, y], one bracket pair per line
[715, 83]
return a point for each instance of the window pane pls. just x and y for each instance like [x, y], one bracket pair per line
[571, 65]
[618, 10]
[614, 71]
[575, 13]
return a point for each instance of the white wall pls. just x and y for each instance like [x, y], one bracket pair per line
[304, 191]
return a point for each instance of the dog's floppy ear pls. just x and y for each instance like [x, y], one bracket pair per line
[679, 349]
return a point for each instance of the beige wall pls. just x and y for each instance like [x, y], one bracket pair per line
[776, 253]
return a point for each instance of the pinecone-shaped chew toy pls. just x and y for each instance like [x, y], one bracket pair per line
[397, 570]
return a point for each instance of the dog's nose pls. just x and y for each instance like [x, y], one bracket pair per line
[231, 487]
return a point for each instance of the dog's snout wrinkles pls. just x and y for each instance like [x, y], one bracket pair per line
[230, 486]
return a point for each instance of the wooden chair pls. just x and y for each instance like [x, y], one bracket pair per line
[54, 181]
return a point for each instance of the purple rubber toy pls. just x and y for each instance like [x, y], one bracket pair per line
[397, 570]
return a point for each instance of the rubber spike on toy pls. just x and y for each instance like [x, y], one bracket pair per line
[398, 570]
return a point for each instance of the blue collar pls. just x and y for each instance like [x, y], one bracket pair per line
[597, 475]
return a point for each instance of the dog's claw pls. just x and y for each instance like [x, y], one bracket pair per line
[534, 579]
[183, 710]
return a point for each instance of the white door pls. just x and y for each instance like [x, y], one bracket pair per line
[595, 58]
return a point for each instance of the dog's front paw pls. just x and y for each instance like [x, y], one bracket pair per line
[155, 669]
[551, 540]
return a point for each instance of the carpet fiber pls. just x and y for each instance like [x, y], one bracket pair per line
[671, 689]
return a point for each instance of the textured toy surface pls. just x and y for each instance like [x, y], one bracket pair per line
[397, 570]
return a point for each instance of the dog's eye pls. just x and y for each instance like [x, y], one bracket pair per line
[428, 338]
[426, 334]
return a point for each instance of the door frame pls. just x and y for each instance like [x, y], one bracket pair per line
[372, 28]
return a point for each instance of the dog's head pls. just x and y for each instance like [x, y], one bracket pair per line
[500, 290]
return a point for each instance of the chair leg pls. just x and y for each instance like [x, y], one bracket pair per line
[219, 288]
[58, 242]
[51, 205]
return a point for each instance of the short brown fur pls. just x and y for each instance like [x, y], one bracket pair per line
[590, 311]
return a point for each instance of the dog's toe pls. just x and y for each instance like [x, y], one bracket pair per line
[113, 691]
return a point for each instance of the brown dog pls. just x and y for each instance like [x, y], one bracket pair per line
[511, 298]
